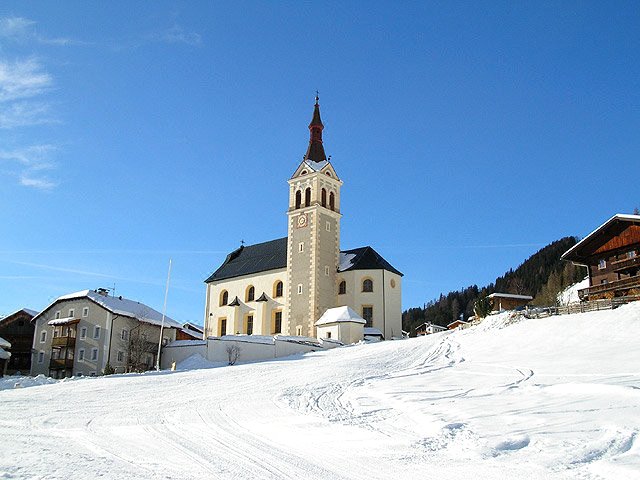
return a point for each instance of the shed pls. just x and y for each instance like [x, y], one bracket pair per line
[342, 324]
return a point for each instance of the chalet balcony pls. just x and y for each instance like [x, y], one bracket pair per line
[61, 363]
[63, 342]
[626, 264]
[619, 286]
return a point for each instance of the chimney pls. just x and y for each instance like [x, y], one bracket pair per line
[103, 291]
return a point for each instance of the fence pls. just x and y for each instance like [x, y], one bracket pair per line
[590, 306]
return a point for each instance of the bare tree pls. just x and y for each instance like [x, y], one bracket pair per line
[233, 353]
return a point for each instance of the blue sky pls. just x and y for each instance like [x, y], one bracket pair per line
[468, 135]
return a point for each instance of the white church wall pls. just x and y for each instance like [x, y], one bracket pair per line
[386, 300]
[236, 316]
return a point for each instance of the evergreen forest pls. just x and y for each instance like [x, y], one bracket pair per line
[543, 276]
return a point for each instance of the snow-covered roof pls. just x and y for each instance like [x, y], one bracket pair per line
[617, 216]
[4, 343]
[510, 295]
[372, 332]
[297, 339]
[340, 315]
[186, 343]
[459, 322]
[192, 333]
[4, 355]
[63, 321]
[120, 306]
[316, 166]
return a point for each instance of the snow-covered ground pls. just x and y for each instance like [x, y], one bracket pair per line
[531, 399]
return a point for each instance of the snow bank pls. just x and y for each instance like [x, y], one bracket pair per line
[570, 294]
[535, 399]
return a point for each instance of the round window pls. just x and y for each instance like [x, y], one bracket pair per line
[393, 283]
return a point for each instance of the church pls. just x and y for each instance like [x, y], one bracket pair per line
[285, 285]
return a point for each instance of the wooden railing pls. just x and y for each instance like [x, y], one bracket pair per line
[620, 265]
[581, 307]
[60, 363]
[625, 283]
[63, 341]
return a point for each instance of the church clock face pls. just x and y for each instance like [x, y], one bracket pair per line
[301, 221]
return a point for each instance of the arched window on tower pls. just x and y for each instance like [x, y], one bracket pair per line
[298, 199]
[307, 197]
[324, 198]
[332, 201]
[342, 288]
[367, 285]
[251, 293]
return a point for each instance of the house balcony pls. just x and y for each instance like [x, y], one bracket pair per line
[63, 342]
[617, 287]
[61, 363]
[626, 264]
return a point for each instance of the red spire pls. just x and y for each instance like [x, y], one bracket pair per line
[315, 151]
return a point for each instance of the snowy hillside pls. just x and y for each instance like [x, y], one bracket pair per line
[532, 399]
[570, 294]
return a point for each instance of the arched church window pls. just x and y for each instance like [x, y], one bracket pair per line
[332, 201]
[324, 197]
[367, 285]
[224, 298]
[342, 288]
[251, 293]
[277, 290]
[307, 197]
[298, 199]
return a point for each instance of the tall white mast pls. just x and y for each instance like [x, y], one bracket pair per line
[164, 312]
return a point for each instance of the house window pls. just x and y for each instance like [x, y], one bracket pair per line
[602, 264]
[332, 201]
[307, 197]
[83, 333]
[223, 327]
[125, 334]
[56, 332]
[324, 197]
[277, 320]
[94, 354]
[81, 355]
[367, 314]
[249, 324]
[40, 357]
[367, 285]
[299, 289]
[299, 330]
[328, 226]
[71, 312]
[604, 281]
[43, 336]
[301, 247]
[120, 356]
[278, 289]
[251, 292]
[96, 332]
[85, 312]
[298, 199]
[57, 314]
[631, 254]
[326, 270]
[328, 334]
[342, 288]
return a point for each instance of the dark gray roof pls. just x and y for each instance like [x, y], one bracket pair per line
[272, 255]
[364, 258]
[250, 259]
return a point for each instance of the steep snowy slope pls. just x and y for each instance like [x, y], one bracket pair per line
[534, 399]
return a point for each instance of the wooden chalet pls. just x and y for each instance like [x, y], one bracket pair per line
[508, 301]
[18, 330]
[611, 254]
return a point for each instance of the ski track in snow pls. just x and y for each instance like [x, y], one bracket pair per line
[534, 399]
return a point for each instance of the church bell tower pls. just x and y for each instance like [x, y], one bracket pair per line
[313, 246]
